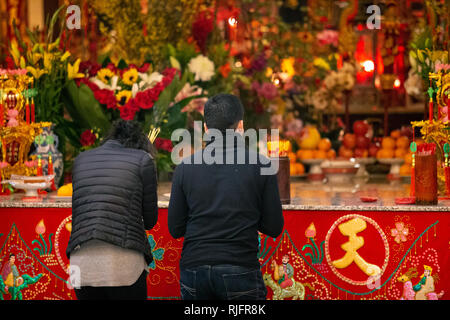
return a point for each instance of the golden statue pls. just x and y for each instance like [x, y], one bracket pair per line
[17, 126]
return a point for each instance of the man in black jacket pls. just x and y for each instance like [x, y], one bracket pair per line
[114, 201]
[219, 209]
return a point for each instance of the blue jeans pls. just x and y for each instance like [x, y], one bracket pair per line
[222, 282]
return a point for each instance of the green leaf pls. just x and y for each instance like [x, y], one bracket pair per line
[122, 64]
[84, 108]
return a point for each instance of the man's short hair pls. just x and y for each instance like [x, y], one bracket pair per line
[223, 111]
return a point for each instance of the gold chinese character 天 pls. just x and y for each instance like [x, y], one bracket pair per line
[350, 229]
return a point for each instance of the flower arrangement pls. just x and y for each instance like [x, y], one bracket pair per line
[128, 90]
[45, 58]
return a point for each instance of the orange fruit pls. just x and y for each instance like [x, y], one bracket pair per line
[402, 142]
[399, 153]
[324, 144]
[293, 169]
[408, 158]
[305, 154]
[388, 143]
[320, 154]
[395, 134]
[405, 170]
[331, 154]
[292, 157]
[300, 168]
[385, 154]
[345, 153]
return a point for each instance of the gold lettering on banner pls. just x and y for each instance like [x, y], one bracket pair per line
[350, 229]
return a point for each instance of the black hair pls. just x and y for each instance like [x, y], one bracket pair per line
[223, 111]
[12, 255]
[130, 135]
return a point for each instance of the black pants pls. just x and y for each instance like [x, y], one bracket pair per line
[137, 291]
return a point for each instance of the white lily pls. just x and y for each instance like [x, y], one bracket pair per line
[102, 85]
[134, 90]
[149, 80]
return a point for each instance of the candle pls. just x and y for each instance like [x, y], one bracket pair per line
[1, 110]
[32, 111]
[28, 111]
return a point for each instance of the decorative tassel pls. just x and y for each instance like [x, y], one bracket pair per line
[430, 103]
[413, 148]
[447, 167]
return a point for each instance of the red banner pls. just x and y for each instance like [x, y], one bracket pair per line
[320, 255]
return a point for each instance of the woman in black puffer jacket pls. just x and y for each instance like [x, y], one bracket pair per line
[114, 201]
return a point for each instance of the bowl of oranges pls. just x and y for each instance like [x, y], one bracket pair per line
[312, 155]
[394, 150]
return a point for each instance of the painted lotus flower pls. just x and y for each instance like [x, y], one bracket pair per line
[40, 227]
[400, 233]
[158, 253]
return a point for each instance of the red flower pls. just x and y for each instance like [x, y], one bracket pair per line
[89, 67]
[144, 68]
[112, 67]
[87, 138]
[163, 144]
[143, 100]
[128, 111]
[202, 27]
[106, 97]
[225, 70]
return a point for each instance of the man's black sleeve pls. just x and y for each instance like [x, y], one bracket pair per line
[150, 193]
[272, 221]
[178, 208]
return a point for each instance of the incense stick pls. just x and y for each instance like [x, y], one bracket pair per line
[153, 134]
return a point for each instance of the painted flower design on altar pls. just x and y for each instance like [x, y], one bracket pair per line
[400, 232]
[158, 253]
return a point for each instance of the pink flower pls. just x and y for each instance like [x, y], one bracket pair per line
[3, 164]
[441, 66]
[328, 37]
[400, 232]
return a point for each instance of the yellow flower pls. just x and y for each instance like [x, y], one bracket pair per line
[22, 63]
[287, 66]
[48, 59]
[321, 63]
[72, 71]
[105, 75]
[36, 73]
[15, 52]
[65, 56]
[53, 45]
[130, 76]
[123, 96]
[305, 36]
[34, 58]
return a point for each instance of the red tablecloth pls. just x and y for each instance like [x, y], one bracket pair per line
[328, 255]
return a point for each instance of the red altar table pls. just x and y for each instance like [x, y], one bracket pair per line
[332, 251]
